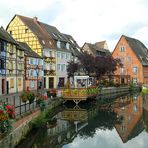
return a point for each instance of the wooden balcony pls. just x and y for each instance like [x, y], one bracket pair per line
[74, 114]
[79, 94]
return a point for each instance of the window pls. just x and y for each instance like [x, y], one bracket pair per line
[68, 56]
[58, 44]
[134, 80]
[62, 55]
[63, 67]
[58, 67]
[50, 53]
[31, 84]
[10, 32]
[26, 30]
[135, 69]
[122, 48]
[2, 46]
[67, 45]
[58, 54]
[1, 64]
[12, 83]
[129, 59]
[19, 82]
[31, 61]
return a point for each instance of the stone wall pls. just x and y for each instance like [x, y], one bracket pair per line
[21, 128]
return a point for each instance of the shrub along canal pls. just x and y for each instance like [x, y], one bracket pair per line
[108, 121]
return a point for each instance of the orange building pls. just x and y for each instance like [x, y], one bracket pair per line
[134, 57]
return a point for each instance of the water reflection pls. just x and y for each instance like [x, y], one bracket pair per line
[106, 122]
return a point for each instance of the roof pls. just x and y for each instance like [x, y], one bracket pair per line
[94, 48]
[35, 26]
[74, 46]
[4, 35]
[53, 32]
[28, 51]
[101, 44]
[139, 48]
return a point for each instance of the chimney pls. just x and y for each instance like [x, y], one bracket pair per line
[35, 19]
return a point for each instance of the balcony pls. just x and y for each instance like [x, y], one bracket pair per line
[49, 72]
[50, 59]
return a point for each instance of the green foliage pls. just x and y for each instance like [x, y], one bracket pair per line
[24, 97]
[27, 96]
[145, 91]
[40, 120]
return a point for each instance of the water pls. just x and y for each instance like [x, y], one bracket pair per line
[108, 122]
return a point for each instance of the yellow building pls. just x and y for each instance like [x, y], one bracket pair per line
[30, 31]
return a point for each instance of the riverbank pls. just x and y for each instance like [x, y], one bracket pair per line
[22, 127]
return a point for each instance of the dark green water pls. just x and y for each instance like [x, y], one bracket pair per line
[108, 122]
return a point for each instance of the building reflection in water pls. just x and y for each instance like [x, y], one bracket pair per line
[131, 112]
[122, 113]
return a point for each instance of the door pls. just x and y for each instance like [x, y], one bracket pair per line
[51, 82]
[61, 82]
[3, 86]
[44, 82]
[7, 87]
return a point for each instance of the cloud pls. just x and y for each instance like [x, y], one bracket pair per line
[86, 20]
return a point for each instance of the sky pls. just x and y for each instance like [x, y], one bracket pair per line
[86, 20]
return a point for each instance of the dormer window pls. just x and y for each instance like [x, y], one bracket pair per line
[43, 42]
[67, 45]
[58, 44]
[122, 48]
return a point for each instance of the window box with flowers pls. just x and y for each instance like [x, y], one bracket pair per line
[7, 113]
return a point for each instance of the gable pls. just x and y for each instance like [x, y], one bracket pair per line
[22, 33]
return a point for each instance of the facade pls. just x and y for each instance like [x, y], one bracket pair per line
[3, 51]
[134, 57]
[96, 49]
[33, 69]
[12, 64]
[45, 40]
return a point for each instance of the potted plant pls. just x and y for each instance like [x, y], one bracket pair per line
[24, 97]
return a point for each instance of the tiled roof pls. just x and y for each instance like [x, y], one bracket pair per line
[35, 26]
[46, 32]
[95, 48]
[28, 51]
[74, 47]
[139, 48]
[4, 35]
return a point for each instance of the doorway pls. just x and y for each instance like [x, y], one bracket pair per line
[7, 87]
[51, 82]
[61, 82]
[3, 86]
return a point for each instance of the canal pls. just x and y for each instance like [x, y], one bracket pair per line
[107, 122]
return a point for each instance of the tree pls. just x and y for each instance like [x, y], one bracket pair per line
[87, 62]
[96, 66]
[72, 68]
